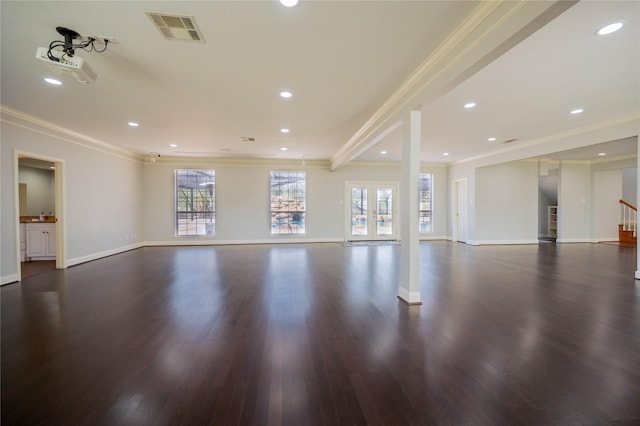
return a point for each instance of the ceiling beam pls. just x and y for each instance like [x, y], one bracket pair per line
[489, 31]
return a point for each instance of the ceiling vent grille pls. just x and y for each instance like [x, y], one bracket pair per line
[510, 140]
[173, 26]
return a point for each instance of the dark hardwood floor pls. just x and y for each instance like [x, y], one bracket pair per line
[29, 269]
[314, 334]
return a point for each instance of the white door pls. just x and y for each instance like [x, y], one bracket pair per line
[372, 211]
[460, 210]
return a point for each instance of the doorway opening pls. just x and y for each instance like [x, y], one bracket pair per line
[39, 201]
[372, 211]
[548, 201]
[459, 219]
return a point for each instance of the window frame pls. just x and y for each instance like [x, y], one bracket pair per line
[299, 228]
[209, 219]
[430, 210]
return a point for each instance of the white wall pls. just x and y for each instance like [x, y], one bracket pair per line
[40, 190]
[608, 191]
[573, 202]
[507, 203]
[629, 185]
[102, 191]
[242, 199]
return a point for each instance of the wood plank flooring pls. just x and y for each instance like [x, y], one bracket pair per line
[314, 335]
[29, 269]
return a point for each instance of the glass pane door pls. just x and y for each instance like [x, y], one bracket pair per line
[359, 211]
[371, 217]
[384, 201]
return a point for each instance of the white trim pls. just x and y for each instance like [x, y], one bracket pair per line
[425, 237]
[501, 242]
[47, 128]
[575, 240]
[180, 242]
[564, 135]
[637, 275]
[413, 297]
[9, 279]
[100, 255]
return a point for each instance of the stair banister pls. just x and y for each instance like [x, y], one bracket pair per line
[629, 216]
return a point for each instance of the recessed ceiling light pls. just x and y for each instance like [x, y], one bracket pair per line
[469, 105]
[133, 124]
[577, 111]
[53, 81]
[611, 28]
[491, 139]
[285, 94]
[285, 130]
[284, 148]
[383, 152]
[173, 145]
[445, 153]
[289, 3]
[602, 154]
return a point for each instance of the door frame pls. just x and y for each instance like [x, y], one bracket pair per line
[61, 255]
[460, 210]
[372, 186]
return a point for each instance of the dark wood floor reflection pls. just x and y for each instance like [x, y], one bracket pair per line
[29, 269]
[314, 334]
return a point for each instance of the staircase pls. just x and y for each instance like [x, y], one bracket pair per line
[627, 230]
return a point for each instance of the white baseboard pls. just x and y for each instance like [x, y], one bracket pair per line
[432, 237]
[500, 242]
[180, 242]
[8, 279]
[411, 298]
[100, 255]
[575, 240]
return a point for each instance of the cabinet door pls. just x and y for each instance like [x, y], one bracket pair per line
[36, 242]
[50, 242]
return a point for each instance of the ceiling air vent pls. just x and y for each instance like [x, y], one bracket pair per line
[510, 140]
[173, 26]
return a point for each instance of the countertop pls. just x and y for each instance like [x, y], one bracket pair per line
[36, 219]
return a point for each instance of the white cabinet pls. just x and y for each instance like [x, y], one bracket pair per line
[41, 241]
[23, 242]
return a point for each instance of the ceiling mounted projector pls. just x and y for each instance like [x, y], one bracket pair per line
[65, 64]
[60, 55]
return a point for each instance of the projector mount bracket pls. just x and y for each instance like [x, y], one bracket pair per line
[69, 36]
[69, 47]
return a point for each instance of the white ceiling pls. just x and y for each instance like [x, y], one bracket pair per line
[342, 60]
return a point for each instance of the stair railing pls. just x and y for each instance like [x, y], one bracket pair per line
[629, 217]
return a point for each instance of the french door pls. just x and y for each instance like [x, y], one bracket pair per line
[372, 212]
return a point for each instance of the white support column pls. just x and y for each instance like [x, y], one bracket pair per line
[409, 291]
[637, 274]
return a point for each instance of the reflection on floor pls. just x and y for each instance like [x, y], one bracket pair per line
[30, 269]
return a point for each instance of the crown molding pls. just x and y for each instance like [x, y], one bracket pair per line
[26, 121]
[632, 119]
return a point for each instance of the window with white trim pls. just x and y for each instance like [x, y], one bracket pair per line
[195, 202]
[288, 202]
[425, 216]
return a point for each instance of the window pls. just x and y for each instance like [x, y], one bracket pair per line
[425, 202]
[195, 202]
[288, 203]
